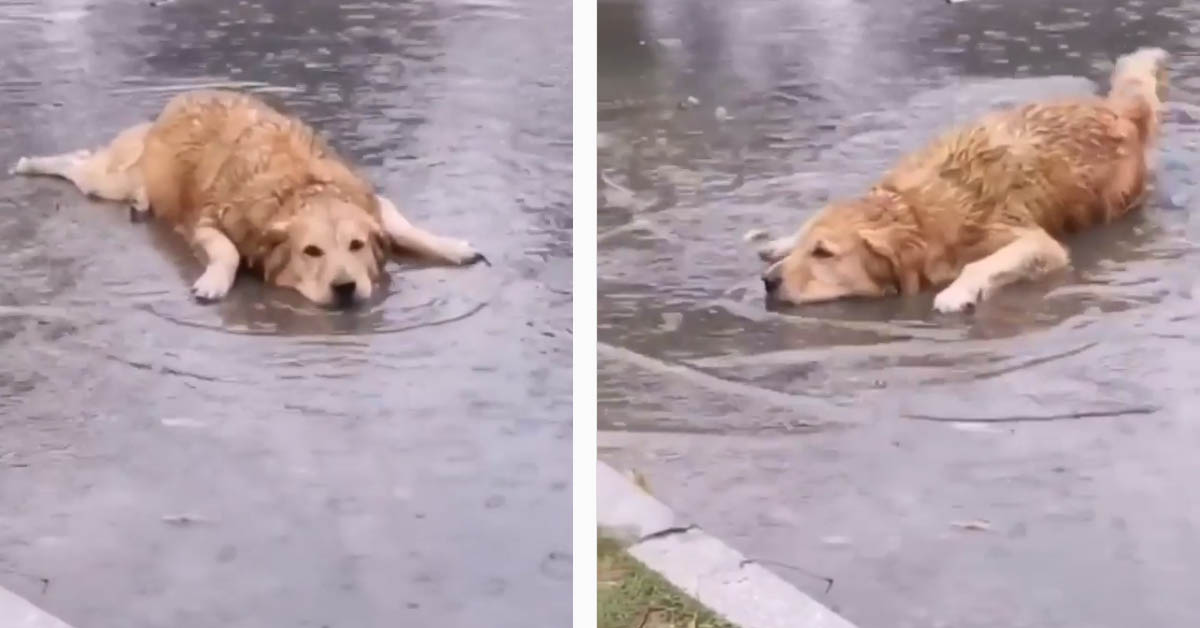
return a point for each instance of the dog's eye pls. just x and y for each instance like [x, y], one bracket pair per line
[313, 251]
[356, 245]
[820, 252]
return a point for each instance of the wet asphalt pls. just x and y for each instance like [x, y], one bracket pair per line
[1031, 465]
[261, 462]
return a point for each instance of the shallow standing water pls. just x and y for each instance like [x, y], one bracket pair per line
[1031, 465]
[260, 462]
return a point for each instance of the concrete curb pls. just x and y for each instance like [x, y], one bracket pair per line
[716, 575]
[17, 612]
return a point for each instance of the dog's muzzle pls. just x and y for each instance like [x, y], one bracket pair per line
[343, 293]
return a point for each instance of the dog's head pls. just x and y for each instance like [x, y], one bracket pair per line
[849, 249]
[330, 250]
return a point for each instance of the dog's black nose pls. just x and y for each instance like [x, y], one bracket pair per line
[343, 291]
[771, 283]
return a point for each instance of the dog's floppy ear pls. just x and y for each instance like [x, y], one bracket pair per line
[274, 248]
[380, 243]
[902, 251]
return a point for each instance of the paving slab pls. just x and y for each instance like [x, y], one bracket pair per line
[704, 567]
[17, 612]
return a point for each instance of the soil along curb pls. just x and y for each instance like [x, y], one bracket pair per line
[700, 565]
[16, 612]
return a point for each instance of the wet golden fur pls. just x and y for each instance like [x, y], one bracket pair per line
[983, 205]
[250, 186]
[228, 160]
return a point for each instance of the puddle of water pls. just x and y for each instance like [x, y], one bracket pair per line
[680, 189]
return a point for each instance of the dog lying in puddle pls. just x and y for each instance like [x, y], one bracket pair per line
[983, 206]
[252, 187]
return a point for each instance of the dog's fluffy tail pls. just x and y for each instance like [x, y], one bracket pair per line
[1139, 86]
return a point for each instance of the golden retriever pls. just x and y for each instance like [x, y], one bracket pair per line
[983, 206]
[249, 186]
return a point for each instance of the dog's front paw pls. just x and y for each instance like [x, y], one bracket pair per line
[756, 235]
[957, 297]
[777, 249]
[213, 285]
[21, 167]
[461, 252]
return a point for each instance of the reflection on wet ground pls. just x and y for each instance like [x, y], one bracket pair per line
[260, 462]
[1026, 466]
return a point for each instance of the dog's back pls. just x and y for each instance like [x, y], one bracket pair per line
[1062, 166]
[229, 157]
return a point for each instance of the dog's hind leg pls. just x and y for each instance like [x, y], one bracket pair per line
[411, 238]
[64, 165]
[109, 173]
[1033, 253]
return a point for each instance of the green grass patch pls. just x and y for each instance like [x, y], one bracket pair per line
[631, 596]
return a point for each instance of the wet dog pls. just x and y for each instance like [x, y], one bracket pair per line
[983, 206]
[251, 187]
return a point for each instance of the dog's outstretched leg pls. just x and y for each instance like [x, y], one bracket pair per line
[109, 173]
[64, 165]
[1032, 254]
[409, 237]
[222, 264]
[777, 249]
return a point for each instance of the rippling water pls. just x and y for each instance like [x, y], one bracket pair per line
[1060, 411]
[261, 461]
